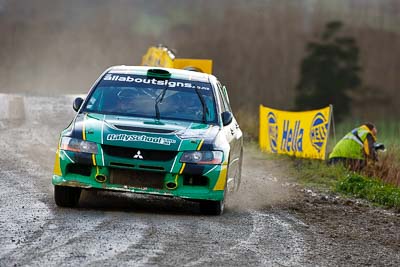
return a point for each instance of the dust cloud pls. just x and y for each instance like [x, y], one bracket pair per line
[264, 183]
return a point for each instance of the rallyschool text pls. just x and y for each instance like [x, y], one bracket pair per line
[172, 84]
[140, 138]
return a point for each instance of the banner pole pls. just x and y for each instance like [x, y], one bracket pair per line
[330, 120]
[333, 125]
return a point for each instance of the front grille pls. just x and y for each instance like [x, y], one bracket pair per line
[145, 154]
[136, 178]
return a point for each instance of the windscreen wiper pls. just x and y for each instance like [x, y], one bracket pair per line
[203, 104]
[159, 74]
[160, 98]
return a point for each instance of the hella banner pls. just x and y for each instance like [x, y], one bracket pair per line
[301, 134]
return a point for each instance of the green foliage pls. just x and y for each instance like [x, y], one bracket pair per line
[371, 189]
[328, 72]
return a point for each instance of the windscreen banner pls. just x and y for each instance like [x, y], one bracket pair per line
[301, 134]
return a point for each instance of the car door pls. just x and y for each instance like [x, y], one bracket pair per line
[233, 135]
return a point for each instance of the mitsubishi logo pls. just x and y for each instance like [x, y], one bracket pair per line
[138, 155]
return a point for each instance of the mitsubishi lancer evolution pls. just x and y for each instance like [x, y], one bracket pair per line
[151, 130]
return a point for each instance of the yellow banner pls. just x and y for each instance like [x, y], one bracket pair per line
[301, 134]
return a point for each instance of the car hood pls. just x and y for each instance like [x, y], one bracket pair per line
[141, 132]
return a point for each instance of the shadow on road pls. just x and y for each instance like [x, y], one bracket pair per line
[110, 201]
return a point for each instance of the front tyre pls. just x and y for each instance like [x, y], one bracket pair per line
[210, 207]
[66, 196]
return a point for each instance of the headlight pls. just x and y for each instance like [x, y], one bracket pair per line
[202, 157]
[77, 145]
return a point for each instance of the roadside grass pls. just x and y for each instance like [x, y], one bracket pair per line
[372, 189]
[318, 175]
[387, 168]
[315, 173]
[378, 182]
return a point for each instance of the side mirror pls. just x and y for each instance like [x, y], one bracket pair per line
[77, 103]
[227, 117]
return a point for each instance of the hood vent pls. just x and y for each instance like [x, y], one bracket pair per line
[143, 129]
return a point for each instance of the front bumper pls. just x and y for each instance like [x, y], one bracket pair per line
[205, 182]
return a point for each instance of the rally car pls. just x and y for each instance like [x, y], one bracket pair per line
[157, 131]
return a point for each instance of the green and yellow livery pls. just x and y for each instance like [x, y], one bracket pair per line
[150, 130]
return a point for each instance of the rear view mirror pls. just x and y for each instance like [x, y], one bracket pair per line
[226, 117]
[77, 103]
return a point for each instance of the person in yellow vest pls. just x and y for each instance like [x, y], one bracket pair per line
[356, 148]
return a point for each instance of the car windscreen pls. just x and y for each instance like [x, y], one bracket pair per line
[141, 96]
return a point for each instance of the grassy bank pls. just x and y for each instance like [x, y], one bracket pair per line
[371, 189]
[378, 183]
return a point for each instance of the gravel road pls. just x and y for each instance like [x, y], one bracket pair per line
[270, 222]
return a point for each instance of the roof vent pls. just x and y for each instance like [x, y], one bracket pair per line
[158, 74]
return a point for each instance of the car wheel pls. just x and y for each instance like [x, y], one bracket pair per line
[210, 207]
[66, 196]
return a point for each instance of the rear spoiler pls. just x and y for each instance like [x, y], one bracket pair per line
[162, 56]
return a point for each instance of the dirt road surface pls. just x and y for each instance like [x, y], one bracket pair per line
[271, 222]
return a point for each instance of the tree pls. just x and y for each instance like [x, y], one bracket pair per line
[329, 72]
